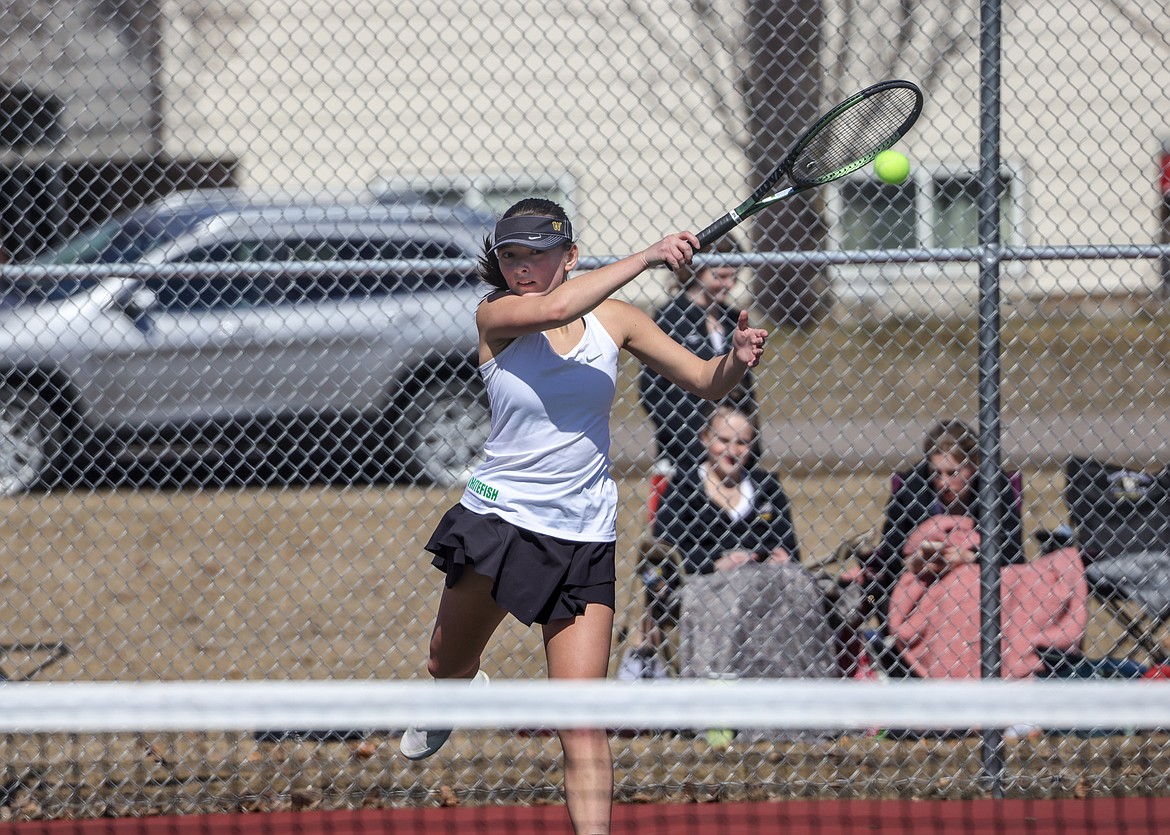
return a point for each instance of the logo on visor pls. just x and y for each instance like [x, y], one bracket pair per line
[557, 226]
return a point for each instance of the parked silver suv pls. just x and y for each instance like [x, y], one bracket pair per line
[291, 356]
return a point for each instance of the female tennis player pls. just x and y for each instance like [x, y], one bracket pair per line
[537, 522]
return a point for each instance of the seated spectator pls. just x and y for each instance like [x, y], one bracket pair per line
[744, 587]
[699, 317]
[721, 514]
[934, 613]
[944, 483]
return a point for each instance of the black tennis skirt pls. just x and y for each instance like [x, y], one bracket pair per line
[536, 577]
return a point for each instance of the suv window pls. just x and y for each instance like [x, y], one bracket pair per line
[128, 238]
[220, 292]
[185, 295]
[335, 287]
[320, 249]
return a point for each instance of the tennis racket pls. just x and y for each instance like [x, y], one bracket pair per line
[845, 139]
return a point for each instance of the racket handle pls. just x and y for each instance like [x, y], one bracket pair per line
[718, 229]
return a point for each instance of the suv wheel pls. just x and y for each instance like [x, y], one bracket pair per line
[31, 439]
[445, 427]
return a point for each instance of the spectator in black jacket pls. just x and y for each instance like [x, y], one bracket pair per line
[697, 316]
[745, 605]
[721, 513]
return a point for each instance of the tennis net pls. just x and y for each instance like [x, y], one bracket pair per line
[689, 756]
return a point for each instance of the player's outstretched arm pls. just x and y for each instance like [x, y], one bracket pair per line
[711, 379]
[508, 315]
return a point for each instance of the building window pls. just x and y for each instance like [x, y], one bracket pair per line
[28, 118]
[933, 209]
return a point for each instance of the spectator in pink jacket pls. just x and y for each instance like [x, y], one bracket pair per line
[934, 610]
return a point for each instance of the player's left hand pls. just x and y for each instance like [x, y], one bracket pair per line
[748, 342]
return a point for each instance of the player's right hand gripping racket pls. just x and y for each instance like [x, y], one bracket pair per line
[845, 139]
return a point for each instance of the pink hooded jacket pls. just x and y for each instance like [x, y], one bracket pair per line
[936, 621]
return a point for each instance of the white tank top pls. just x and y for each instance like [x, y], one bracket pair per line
[546, 466]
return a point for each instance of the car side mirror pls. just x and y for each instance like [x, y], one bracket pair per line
[142, 299]
[137, 304]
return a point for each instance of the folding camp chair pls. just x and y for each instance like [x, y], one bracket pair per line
[1121, 521]
[31, 657]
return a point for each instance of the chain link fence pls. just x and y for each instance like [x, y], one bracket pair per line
[237, 361]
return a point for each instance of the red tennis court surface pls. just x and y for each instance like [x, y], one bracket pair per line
[1096, 816]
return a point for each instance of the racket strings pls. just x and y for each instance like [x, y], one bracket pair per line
[852, 137]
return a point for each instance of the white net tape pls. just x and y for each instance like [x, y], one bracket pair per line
[797, 704]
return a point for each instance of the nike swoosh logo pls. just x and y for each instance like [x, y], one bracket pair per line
[535, 237]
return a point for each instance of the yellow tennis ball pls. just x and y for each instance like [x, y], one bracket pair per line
[891, 167]
[720, 738]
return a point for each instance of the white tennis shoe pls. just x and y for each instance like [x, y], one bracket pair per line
[420, 743]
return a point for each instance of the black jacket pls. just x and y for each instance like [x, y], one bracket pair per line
[679, 416]
[702, 532]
